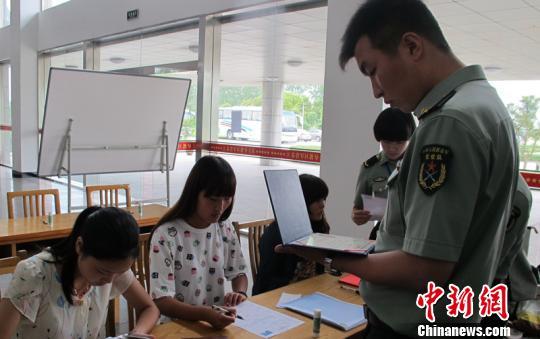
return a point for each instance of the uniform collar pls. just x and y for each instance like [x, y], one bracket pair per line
[446, 88]
[384, 159]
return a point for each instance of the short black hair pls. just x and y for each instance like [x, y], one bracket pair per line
[385, 21]
[394, 125]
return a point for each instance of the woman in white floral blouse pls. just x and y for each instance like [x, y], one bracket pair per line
[64, 291]
[194, 249]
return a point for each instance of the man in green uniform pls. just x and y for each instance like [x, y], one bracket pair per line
[392, 129]
[449, 204]
[514, 268]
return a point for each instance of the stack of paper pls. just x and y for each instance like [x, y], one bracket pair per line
[333, 311]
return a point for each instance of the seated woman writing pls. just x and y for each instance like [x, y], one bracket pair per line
[277, 270]
[194, 248]
[64, 291]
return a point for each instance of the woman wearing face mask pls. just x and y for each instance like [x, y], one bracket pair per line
[194, 248]
[392, 129]
[64, 291]
[277, 270]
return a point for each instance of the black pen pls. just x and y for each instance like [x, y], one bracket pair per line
[349, 288]
[225, 311]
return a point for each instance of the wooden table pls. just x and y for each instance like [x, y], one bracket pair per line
[323, 283]
[27, 230]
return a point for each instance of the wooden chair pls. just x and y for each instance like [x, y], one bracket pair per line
[108, 195]
[33, 202]
[7, 265]
[255, 231]
[141, 269]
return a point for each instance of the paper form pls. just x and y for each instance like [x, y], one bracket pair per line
[375, 205]
[263, 321]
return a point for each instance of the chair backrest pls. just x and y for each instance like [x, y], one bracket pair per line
[141, 269]
[8, 264]
[34, 202]
[255, 231]
[108, 195]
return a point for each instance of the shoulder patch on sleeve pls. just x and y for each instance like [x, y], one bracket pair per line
[372, 161]
[434, 164]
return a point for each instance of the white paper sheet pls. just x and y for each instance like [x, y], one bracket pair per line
[285, 298]
[375, 205]
[263, 321]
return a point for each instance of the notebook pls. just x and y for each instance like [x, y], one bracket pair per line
[341, 314]
[291, 214]
[351, 280]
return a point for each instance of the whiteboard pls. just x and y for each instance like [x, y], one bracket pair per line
[110, 109]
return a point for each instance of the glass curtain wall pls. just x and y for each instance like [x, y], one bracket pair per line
[271, 76]
[5, 115]
[5, 13]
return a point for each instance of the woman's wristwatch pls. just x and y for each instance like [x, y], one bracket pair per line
[242, 293]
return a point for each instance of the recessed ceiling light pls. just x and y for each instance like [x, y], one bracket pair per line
[294, 62]
[117, 60]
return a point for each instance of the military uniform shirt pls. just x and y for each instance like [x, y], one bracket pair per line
[372, 178]
[452, 197]
[514, 264]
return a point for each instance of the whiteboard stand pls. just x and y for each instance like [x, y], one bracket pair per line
[67, 149]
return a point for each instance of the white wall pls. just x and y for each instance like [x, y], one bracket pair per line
[349, 113]
[5, 42]
[79, 20]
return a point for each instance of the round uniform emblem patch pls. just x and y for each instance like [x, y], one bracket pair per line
[434, 164]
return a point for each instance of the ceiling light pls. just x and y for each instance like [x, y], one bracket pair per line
[294, 62]
[117, 60]
[193, 48]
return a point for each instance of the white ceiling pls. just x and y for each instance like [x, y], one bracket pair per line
[502, 35]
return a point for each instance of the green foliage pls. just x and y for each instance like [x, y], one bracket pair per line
[526, 125]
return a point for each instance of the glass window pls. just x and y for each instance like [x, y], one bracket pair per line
[5, 13]
[45, 4]
[68, 59]
[284, 50]
[5, 115]
[522, 98]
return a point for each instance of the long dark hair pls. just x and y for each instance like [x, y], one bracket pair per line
[314, 189]
[107, 234]
[210, 174]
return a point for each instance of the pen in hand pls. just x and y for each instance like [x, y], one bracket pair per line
[225, 311]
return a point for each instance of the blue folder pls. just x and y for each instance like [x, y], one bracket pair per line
[335, 312]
